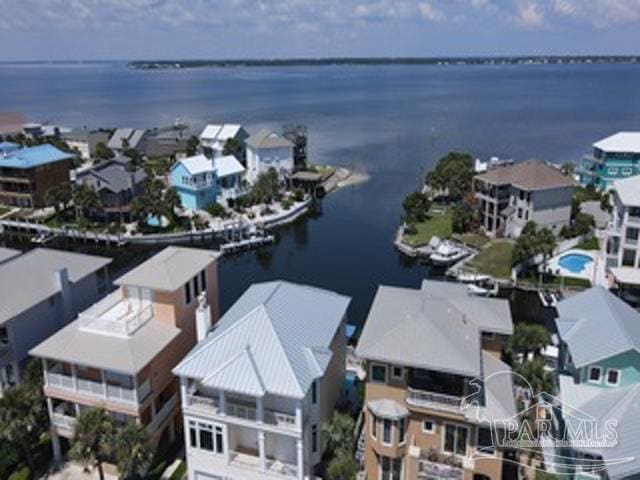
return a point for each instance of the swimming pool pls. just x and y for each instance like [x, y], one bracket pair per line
[575, 262]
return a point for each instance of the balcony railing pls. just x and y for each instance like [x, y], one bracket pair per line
[117, 315]
[438, 401]
[442, 471]
[243, 412]
[61, 420]
[116, 393]
[274, 467]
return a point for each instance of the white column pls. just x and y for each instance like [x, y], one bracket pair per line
[50, 409]
[135, 390]
[44, 372]
[223, 403]
[260, 409]
[227, 447]
[55, 444]
[299, 418]
[300, 462]
[104, 384]
[183, 391]
[262, 452]
[74, 376]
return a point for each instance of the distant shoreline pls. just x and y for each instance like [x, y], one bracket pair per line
[362, 61]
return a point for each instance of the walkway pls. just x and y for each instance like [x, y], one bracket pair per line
[71, 471]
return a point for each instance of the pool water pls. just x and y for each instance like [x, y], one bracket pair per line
[575, 262]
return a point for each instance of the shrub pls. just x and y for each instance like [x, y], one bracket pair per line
[217, 210]
[286, 203]
[22, 474]
[298, 194]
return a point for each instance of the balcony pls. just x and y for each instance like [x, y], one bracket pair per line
[244, 412]
[438, 401]
[61, 420]
[428, 470]
[272, 466]
[117, 315]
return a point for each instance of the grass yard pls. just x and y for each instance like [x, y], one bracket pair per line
[590, 244]
[436, 225]
[494, 260]
[474, 240]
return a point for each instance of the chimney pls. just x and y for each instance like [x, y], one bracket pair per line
[61, 278]
[203, 317]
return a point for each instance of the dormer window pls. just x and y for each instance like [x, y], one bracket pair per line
[613, 377]
[595, 374]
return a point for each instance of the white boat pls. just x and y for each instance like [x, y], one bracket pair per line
[472, 277]
[479, 291]
[447, 253]
[43, 237]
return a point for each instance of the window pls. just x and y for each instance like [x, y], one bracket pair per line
[628, 258]
[203, 279]
[205, 436]
[455, 439]
[314, 438]
[519, 213]
[187, 292]
[374, 425]
[631, 235]
[485, 441]
[379, 373]
[595, 373]
[613, 376]
[428, 426]
[402, 430]
[386, 430]
[612, 171]
[626, 171]
[390, 468]
[397, 373]
[314, 392]
[195, 286]
[526, 215]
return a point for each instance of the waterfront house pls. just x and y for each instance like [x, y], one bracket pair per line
[27, 173]
[613, 158]
[119, 353]
[257, 390]
[201, 180]
[214, 137]
[266, 150]
[599, 378]
[85, 141]
[117, 182]
[511, 196]
[436, 386]
[621, 245]
[42, 291]
[167, 141]
[124, 139]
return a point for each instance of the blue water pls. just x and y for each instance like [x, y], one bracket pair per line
[575, 262]
[390, 121]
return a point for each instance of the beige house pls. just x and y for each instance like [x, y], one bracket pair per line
[436, 387]
[119, 352]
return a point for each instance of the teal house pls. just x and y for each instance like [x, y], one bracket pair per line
[597, 412]
[613, 158]
[201, 180]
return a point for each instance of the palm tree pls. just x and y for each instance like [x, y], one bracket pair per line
[85, 199]
[93, 438]
[233, 146]
[529, 337]
[171, 201]
[338, 434]
[59, 196]
[545, 244]
[133, 452]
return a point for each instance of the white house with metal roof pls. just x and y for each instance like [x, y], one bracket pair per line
[267, 150]
[214, 137]
[256, 391]
[42, 291]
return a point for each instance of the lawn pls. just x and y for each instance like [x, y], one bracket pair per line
[589, 244]
[436, 225]
[4, 210]
[494, 260]
[474, 240]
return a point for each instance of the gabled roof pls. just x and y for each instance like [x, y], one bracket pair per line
[621, 142]
[170, 269]
[113, 175]
[628, 190]
[29, 157]
[437, 327]
[528, 175]
[221, 133]
[228, 165]
[197, 164]
[7, 254]
[595, 324]
[274, 339]
[132, 135]
[265, 138]
[29, 279]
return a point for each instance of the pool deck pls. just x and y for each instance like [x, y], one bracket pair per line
[594, 271]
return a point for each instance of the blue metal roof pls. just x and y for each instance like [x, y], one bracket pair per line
[30, 157]
[6, 147]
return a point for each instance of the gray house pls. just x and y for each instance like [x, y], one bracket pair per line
[511, 196]
[42, 291]
[128, 138]
[117, 183]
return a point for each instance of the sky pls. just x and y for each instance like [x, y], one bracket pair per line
[219, 29]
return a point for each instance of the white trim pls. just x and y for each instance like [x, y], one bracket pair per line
[606, 379]
[594, 367]
[373, 427]
[433, 427]
[386, 372]
[401, 377]
[402, 421]
[390, 442]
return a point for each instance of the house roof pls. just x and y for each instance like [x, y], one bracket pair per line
[7, 254]
[228, 165]
[132, 135]
[499, 401]
[196, 164]
[274, 339]
[113, 175]
[387, 408]
[595, 324]
[604, 406]
[437, 327]
[628, 190]
[621, 142]
[127, 355]
[221, 133]
[170, 269]
[30, 157]
[265, 138]
[626, 275]
[528, 175]
[29, 279]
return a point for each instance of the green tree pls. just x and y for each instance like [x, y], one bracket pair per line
[93, 436]
[465, 216]
[85, 200]
[532, 242]
[102, 152]
[416, 207]
[233, 146]
[536, 376]
[453, 174]
[59, 196]
[338, 434]
[217, 211]
[528, 337]
[133, 452]
[171, 202]
[342, 467]
[199, 223]
[192, 145]
[267, 187]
